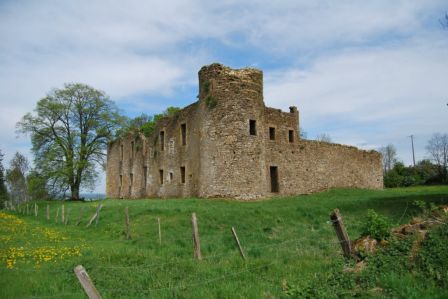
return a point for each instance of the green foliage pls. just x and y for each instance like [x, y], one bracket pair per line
[146, 124]
[70, 131]
[423, 173]
[210, 101]
[399, 270]
[206, 87]
[171, 111]
[432, 259]
[16, 178]
[37, 186]
[376, 226]
[148, 128]
[425, 208]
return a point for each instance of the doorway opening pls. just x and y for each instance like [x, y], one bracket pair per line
[273, 170]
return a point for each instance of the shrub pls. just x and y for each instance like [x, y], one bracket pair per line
[432, 259]
[206, 87]
[210, 101]
[376, 226]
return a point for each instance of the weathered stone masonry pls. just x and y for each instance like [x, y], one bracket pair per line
[229, 144]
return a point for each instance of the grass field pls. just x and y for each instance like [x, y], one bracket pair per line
[287, 241]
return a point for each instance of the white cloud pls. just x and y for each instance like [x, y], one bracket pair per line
[368, 62]
[374, 95]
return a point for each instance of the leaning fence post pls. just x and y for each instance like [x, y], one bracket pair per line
[98, 209]
[341, 232]
[196, 241]
[48, 212]
[97, 219]
[80, 216]
[86, 283]
[238, 243]
[126, 222]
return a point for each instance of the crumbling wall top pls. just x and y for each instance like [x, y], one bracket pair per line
[219, 69]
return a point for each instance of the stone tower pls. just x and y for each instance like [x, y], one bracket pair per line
[232, 134]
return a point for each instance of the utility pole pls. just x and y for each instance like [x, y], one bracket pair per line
[412, 143]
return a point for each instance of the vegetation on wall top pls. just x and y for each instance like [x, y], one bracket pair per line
[146, 124]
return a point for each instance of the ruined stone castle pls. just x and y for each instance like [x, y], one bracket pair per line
[229, 144]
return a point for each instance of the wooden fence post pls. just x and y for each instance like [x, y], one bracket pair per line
[196, 241]
[238, 243]
[27, 210]
[80, 216]
[126, 222]
[48, 212]
[86, 283]
[97, 219]
[98, 209]
[57, 215]
[62, 214]
[36, 209]
[160, 232]
[66, 217]
[341, 232]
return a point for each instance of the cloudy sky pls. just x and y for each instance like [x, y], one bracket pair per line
[368, 73]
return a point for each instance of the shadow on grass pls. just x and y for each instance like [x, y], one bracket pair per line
[398, 208]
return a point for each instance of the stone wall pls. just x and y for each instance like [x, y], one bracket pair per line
[148, 169]
[234, 147]
[316, 166]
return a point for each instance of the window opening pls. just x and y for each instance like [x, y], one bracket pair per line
[182, 174]
[183, 130]
[272, 133]
[291, 135]
[252, 127]
[171, 176]
[161, 176]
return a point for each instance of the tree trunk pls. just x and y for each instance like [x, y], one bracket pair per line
[75, 192]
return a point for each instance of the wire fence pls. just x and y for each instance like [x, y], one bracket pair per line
[284, 249]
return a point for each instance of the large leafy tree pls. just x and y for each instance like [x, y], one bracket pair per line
[70, 131]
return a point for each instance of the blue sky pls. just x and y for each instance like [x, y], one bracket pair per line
[368, 73]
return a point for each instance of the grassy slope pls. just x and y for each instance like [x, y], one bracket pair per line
[286, 240]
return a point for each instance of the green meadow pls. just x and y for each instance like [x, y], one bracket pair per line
[291, 248]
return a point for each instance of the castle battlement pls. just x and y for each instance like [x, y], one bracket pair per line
[229, 144]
